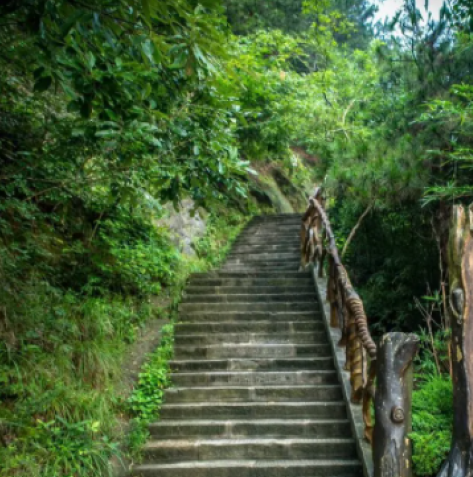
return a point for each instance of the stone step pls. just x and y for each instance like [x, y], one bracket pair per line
[269, 266]
[287, 215]
[301, 393]
[180, 450]
[267, 326]
[258, 275]
[196, 315]
[275, 234]
[281, 223]
[253, 290]
[303, 281]
[278, 216]
[263, 262]
[272, 229]
[254, 378]
[264, 256]
[253, 364]
[254, 410]
[259, 239]
[253, 468]
[297, 218]
[243, 249]
[282, 230]
[319, 428]
[250, 298]
[268, 241]
[275, 267]
[251, 350]
[250, 307]
[197, 339]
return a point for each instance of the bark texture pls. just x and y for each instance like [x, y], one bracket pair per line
[460, 261]
[391, 446]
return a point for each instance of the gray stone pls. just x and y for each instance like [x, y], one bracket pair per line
[184, 226]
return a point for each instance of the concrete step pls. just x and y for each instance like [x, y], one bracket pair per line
[267, 326]
[277, 248]
[270, 219]
[318, 428]
[275, 234]
[253, 468]
[197, 339]
[303, 281]
[281, 268]
[264, 262]
[336, 409]
[264, 256]
[254, 378]
[272, 229]
[250, 297]
[250, 307]
[252, 364]
[296, 220]
[251, 350]
[221, 274]
[205, 449]
[276, 239]
[301, 393]
[288, 215]
[253, 290]
[198, 315]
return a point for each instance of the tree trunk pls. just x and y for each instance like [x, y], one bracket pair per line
[391, 447]
[460, 257]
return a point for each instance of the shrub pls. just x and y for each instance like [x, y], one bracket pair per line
[432, 421]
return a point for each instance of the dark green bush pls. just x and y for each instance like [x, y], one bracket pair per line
[432, 421]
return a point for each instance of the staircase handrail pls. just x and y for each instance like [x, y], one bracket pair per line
[346, 307]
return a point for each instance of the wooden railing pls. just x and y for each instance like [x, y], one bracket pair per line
[389, 366]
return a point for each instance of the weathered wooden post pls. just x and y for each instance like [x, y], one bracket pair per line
[460, 264]
[392, 403]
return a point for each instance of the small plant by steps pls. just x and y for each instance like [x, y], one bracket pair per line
[145, 402]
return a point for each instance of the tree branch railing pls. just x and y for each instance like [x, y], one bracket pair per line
[391, 447]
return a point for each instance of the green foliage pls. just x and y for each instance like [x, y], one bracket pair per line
[432, 420]
[147, 396]
[64, 448]
[142, 258]
[455, 115]
[392, 259]
[60, 368]
[222, 229]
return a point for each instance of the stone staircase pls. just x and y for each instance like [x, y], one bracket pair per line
[255, 391]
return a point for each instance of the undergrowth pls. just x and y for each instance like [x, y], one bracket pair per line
[147, 397]
[432, 421]
[63, 348]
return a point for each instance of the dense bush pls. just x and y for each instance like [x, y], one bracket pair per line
[432, 422]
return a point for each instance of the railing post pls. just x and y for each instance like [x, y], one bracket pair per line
[460, 265]
[391, 447]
